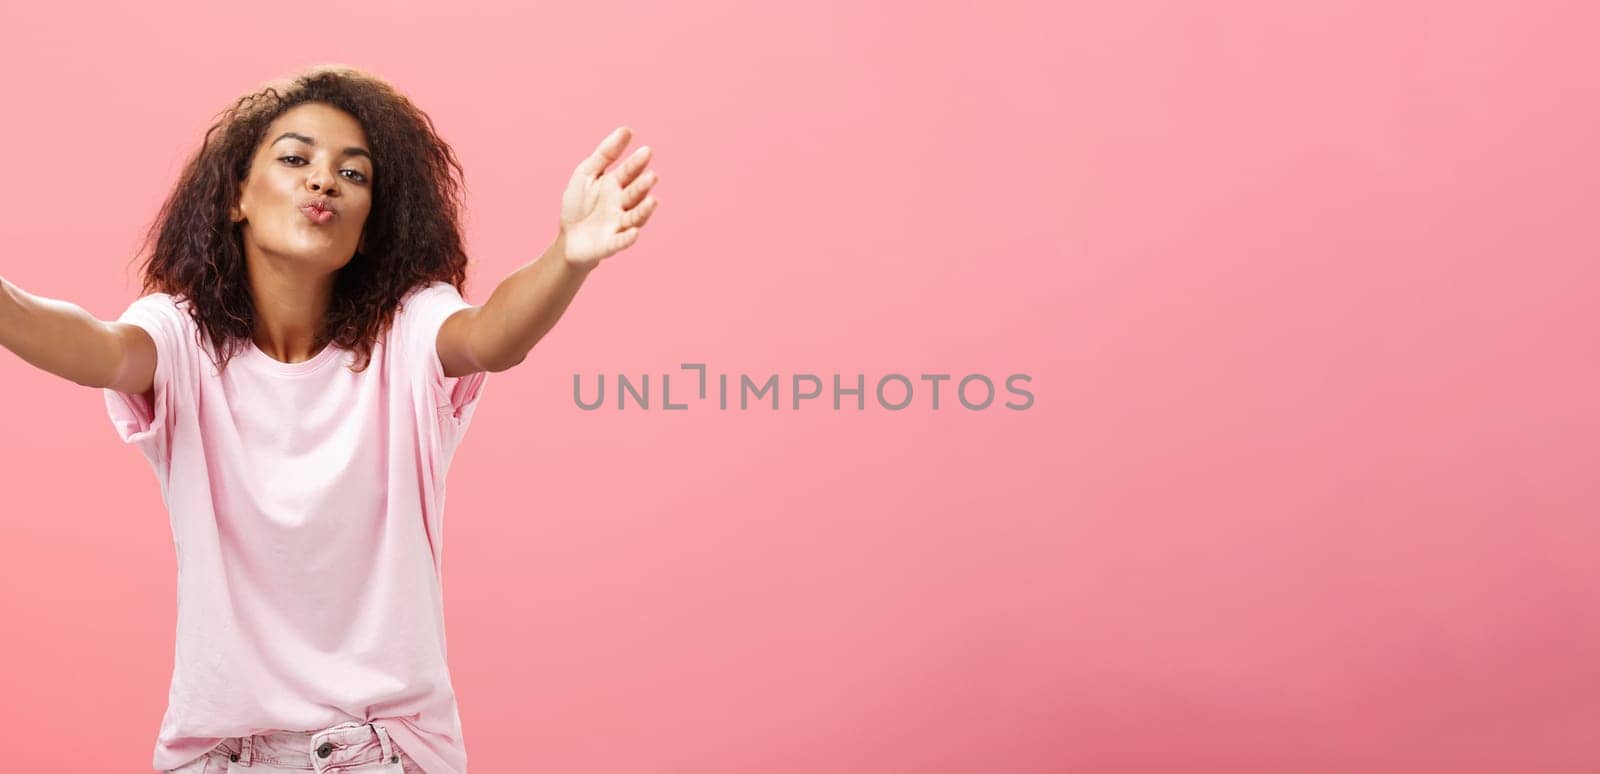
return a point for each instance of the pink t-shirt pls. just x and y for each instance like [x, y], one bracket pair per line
[307, 508]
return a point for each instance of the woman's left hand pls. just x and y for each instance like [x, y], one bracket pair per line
[602, 212]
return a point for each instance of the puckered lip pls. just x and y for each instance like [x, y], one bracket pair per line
[319, 204]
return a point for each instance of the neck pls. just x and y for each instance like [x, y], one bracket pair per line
[290, 307]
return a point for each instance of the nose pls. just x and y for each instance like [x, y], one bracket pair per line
[320, 180]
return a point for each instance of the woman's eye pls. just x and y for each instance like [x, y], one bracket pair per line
[356, 174]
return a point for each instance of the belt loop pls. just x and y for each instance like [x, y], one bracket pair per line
[247, 746]
[383, 742]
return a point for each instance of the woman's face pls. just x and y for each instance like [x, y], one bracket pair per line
[309, 189]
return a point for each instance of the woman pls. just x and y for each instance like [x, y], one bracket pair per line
[299, 373]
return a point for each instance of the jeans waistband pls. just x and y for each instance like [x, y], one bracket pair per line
[344, 745]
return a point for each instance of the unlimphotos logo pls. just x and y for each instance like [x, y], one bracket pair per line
[894, 392]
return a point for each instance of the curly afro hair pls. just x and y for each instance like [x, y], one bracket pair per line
[412, 234]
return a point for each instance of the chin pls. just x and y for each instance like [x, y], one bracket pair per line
[320, 255]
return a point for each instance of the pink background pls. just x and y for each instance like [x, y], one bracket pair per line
[1307, 296]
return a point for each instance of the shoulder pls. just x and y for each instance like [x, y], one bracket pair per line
[155, 302]
[426, 305]
[159, 311]
[429, 292]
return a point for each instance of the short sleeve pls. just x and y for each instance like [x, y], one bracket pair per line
[140, 422]
[421, 315]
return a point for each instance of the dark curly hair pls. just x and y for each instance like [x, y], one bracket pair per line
[412, 234]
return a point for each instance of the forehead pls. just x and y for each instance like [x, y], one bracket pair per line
[325, 124]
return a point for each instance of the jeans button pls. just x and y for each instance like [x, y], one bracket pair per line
[325, 750]
[233, 757]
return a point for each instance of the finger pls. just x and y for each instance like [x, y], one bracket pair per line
[636, 191]
[640, 215]
[622, 240]
[633, 165]
[609, 149]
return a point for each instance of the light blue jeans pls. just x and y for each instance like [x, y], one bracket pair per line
[348, 747]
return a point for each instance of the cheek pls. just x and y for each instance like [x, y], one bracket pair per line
[267, 189]
[359, 215]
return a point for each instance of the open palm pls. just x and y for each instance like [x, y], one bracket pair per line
[602, 212]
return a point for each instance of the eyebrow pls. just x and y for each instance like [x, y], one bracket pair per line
[352, 151]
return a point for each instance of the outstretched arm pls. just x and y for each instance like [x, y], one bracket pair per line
[64, 339]
[601, 214]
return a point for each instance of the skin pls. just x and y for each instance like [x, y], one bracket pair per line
[292, 260]
[601, 214]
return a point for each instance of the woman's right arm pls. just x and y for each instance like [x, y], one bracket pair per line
[66, 340]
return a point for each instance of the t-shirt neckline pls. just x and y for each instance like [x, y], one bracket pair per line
[267, 362]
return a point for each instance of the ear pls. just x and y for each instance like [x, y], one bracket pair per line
[236, 212]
